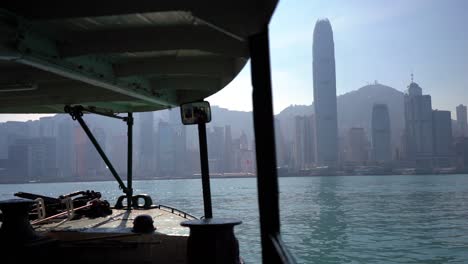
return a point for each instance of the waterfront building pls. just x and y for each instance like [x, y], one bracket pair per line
[216, 144]
[118, 153]
[172, 150]
[324, 81]
[247, 161]
[94, 163]
[228, 151]
[33, 158]
[180, 148]
[66, 148]
[418, 143]
[242, 154]
[146, 156]
[442, 133]
[18, 164]
[280, 146]
[80, 142]
[303, 142]
[461, 154]
[166, 151]
[357, 150]
[43, 158]
[9, 132]
[47, 126]
[462, 126]
[381, 137]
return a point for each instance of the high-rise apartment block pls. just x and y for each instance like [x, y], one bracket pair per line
[418, 126]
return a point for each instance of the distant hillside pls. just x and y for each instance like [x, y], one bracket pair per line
[238, 120]
[286, 119]
[354, 110]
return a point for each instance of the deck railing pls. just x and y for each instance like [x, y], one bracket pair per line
[176, 211]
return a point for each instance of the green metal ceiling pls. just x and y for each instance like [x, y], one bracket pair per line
[122, 58]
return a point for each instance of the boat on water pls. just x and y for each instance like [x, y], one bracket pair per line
[115, 60]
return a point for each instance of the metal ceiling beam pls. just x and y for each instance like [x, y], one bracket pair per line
[146, 39]
[171, 66]
[196, 83]
[32, 47]
[68, 10]
[239, 17]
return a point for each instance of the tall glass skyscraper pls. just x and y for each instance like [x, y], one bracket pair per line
[381, 150]
[326, 124]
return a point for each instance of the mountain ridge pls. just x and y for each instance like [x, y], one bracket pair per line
[354, 110]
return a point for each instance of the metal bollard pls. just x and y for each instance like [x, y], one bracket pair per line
[212, 241]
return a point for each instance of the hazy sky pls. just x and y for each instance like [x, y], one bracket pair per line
[374, 40]
[383, 40]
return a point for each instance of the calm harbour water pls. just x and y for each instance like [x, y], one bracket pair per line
[347, 219]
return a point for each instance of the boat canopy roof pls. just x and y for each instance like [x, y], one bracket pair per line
[126, 56]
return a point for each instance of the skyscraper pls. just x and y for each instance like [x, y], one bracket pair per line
[47, 127]
[418, 126]
[180, 148]
[228, 155]
[216, 149]
[303, 142]
[461, 152]
[462, 126]
[146, 156]
[357, 150]
[166, 151]
[381, 149]
[326, 123]
[280, 144]
[66, 148]
[442, 131]
[94, 163]
[19, 162]
[443, 141]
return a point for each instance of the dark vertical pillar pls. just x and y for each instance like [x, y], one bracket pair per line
[129, 159]
[205, 170]
[273, 250]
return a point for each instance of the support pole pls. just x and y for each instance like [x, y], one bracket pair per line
[129, 160]
[76, 114]
[205, 170]
[273, 250]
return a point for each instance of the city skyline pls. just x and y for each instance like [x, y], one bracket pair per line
[317, 142]
[57, 149]
[374, 41]
[230, 153]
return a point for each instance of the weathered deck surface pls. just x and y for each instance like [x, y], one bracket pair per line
[121, 221]
[111, 240]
